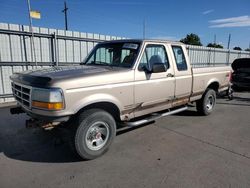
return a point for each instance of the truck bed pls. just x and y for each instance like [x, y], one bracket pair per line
[204, 76]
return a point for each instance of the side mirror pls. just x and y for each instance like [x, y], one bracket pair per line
[159, 67]
[145, 69]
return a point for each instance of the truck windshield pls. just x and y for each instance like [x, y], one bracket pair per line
[120, 54]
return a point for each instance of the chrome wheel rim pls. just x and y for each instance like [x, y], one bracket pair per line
[97, 135]
[210, 103]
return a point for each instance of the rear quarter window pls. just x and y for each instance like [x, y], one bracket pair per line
[180, 59]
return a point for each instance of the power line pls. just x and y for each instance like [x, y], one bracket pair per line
[65, 15]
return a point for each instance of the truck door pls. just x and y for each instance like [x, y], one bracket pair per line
[153, 91]
[183, 74]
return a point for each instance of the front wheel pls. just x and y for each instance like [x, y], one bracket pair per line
[207, 103]
[96, 131]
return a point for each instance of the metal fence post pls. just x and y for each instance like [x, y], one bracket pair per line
[209, 56]
[55, 49]
[214, 57]
[228, 57]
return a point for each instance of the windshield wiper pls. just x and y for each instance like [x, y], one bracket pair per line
[101, 63]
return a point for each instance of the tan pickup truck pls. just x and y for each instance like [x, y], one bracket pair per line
[128, 82]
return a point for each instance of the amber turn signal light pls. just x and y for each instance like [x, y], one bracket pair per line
[48, 105]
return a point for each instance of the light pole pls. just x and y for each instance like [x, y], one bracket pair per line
[32, 34]
[229, 40]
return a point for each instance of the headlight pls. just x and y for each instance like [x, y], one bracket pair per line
[49, 99]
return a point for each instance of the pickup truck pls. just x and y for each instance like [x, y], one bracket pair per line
[123, 82]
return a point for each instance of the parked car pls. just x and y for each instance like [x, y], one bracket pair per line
[241, 74]
[128, 82]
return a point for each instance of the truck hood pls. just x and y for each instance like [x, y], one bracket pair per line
[45, 77]
[241, 63]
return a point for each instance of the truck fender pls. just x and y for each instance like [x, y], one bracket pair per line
[213, 83]
[96, 98]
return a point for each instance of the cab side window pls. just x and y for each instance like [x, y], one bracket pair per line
[179, 58]
[153, 54]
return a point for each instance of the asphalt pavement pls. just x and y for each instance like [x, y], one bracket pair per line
[182, 150]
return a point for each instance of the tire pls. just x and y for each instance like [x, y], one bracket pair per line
[230, 93]
[94, 134]
[230, 97]
[207, 103]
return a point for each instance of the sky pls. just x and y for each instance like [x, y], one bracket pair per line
[164, 19]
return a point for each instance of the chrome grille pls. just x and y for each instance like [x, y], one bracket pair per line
[22, 94]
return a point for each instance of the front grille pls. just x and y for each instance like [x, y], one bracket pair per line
[22, 94]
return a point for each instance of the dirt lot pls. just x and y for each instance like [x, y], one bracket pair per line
[183, 150]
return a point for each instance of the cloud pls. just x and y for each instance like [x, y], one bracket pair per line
[233, 19]
[208, 11]
[240, 21]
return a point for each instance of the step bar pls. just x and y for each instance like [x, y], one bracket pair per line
[154, 117]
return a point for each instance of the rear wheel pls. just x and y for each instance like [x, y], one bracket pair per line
[207, 103]
[230, 93]
[94, 134]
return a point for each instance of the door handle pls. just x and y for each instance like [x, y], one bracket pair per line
[170, 75]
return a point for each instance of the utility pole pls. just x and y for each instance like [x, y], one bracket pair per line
[215, 39]
[65, 15]
[229, 40]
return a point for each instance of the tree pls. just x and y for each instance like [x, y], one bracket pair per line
[237, 48]
[248, 49]
[192, 39]
[214, 45]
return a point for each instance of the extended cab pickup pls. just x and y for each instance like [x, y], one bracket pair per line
[128, 82]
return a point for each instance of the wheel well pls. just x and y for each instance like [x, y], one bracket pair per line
[106, 106]
[214, 86]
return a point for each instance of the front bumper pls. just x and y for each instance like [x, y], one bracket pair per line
[20, 109]
[45, 122]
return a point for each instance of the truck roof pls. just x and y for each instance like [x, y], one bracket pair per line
[145, 40]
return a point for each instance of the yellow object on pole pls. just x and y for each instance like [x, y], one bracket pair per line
[35, 14]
